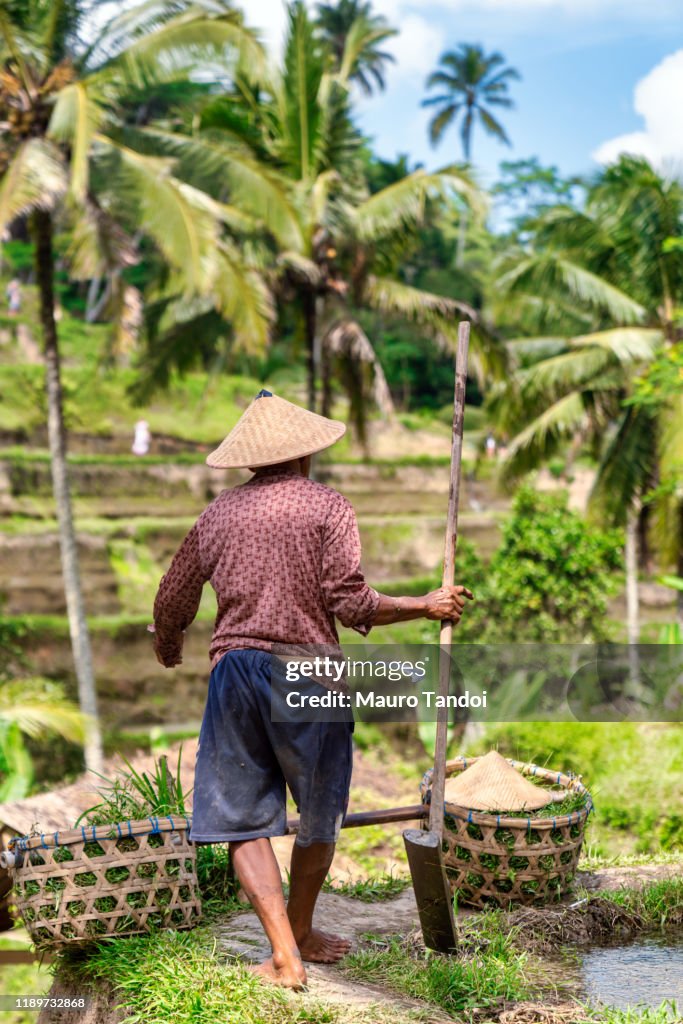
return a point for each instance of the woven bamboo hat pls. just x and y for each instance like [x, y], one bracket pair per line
[492, 784]
[272, 430]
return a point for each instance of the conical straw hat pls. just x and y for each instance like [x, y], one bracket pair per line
[492, 784]
[272, 430]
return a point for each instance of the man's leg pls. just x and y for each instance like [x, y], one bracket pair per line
[259, 876]
[309, 868]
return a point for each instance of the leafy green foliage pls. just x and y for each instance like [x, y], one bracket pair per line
[662, 380]
[29, 708]
[526, 188]
[354, 35]
[300, 134]
[548, 581]
[133, 795]
[608, 279]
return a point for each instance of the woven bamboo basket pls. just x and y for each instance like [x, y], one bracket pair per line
[499, 860]
[106, 880]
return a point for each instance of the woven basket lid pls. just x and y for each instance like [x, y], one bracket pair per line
[272, 430]
[492, 784]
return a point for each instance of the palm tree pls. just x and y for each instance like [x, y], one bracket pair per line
[31, 707]
[67, 156]
[470, 82]
[326, 258]
[608, 275]
[354, 36]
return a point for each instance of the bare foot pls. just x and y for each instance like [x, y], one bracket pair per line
[323, 948]
[287, 973]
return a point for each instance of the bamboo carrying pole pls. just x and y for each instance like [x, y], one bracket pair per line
[425, 857]
[414, 812]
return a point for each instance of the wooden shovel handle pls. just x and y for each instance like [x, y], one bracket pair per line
[448, 578]
[414, 812]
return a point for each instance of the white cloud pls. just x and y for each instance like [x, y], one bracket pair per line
[417, 47]
[269, 17]
[657, 98]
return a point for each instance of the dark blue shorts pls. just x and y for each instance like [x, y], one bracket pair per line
[245, 761]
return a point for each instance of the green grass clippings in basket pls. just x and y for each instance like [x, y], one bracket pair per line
[102, 879]
[495, 856]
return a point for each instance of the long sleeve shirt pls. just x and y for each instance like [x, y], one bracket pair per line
[283, 555]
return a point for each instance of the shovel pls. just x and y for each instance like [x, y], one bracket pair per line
[425, 856]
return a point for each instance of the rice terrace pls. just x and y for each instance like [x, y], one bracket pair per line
[341, 512]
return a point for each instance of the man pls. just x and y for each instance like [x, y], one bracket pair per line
[283, 555]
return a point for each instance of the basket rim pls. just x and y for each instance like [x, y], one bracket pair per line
[567, 781]
[151, 825]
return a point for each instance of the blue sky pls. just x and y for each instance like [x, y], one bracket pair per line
[598, 76]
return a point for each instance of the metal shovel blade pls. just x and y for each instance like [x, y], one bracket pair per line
[432, 893]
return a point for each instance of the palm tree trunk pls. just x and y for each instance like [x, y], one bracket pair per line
[91, 300]
[462, 238]
[311, 354]
[632, 616]
[80, 639]
[462, 233]
[326, 374]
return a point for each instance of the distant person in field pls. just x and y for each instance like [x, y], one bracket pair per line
[142, 439]
[491, 447]
[13, 294]
[283, 554]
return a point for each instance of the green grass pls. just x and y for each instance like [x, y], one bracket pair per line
[479, 976]
[217, 881]
[196, 408]
[667, 1013]
[428, 461]
[657, 905]
[136, 528]
[20, 456]
[369, 847]
[373, 889]
[47, 626]
[591, 860]
[183, 977]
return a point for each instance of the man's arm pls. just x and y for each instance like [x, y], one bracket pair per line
[442, 605]
[355, 603]
[177, 600]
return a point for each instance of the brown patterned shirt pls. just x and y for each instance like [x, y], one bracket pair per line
[283, 554]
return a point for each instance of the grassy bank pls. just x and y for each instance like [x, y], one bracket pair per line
[183, 978]
[497, 962]
[485, 971]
